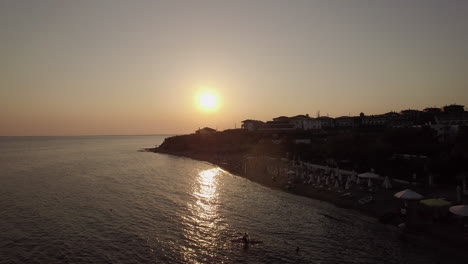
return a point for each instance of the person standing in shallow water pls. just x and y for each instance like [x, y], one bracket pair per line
[246, 238]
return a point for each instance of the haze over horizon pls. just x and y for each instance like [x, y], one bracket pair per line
[138, 67]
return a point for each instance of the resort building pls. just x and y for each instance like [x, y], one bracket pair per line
[252, 125]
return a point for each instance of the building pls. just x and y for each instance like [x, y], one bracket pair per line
[344, 122]
[312, 124]
[374, 121]
[252, 125]
[448, 126]
[454, 108]
[299, 121]
[277, 126]
[206, 131]
[326, 122]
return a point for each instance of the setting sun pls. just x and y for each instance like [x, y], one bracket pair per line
[207, 101]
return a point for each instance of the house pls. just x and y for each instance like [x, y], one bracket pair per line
[432, 110]
[374, 121]
[277, 126]
[454, 108]
[252, 125]
[326, 122]
[312, 124]
[447, 126]
[205, 131]
[299, 121]
[344, 121]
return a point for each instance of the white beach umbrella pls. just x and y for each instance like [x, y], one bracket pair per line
[369, 175]
[386, 183]
[408, 195]
[369, 183]
[461, 210]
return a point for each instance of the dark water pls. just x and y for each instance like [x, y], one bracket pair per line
[99, 200]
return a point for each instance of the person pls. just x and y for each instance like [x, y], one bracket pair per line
[246, 238]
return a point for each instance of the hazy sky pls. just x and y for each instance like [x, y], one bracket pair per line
[134, 67]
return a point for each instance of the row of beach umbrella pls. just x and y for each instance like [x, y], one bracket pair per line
[460, 210]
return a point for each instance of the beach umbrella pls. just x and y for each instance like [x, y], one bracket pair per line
[461, 210]
[369, 175]
[348, 180]
[408, 195]
[440, 202]
[386, 183]
[337, 185]
[369, 183]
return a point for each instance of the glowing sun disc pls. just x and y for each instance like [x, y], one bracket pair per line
[207, 101]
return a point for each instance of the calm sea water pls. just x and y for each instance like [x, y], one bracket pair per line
[99, 200]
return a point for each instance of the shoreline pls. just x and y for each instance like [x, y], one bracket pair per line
[371, 209]
[386, 215]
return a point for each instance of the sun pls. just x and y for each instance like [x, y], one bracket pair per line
[207, 101]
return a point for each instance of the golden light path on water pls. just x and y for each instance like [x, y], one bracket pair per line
[202, 223]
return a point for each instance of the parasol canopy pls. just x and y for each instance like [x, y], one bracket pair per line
[369, 175]
[436, 202]
[461, 210]
[408, 195]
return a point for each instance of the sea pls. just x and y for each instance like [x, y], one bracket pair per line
[100, 199]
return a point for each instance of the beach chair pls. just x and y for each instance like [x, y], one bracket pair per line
[365, 200]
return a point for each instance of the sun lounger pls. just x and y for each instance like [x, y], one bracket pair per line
[365, 200]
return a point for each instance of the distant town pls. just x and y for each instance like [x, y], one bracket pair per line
[446, 121]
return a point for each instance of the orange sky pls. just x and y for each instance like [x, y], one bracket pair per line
[121, 67]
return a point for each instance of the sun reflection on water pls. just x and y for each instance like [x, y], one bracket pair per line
[202, 222]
